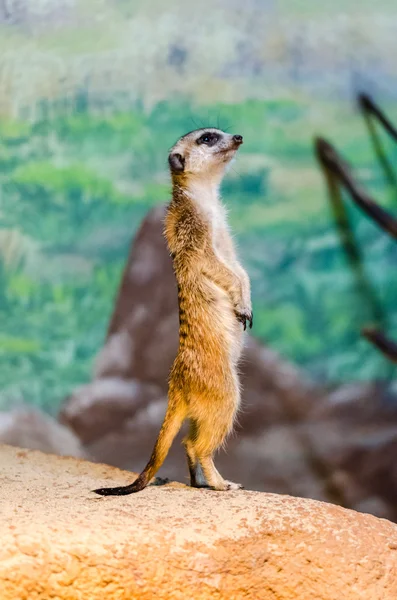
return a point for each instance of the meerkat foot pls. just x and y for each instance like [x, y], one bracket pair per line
[233, 486]
[203, 486]
[227, 486]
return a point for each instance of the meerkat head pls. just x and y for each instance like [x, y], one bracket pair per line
[203, 153]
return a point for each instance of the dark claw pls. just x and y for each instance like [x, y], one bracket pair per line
[244, 317]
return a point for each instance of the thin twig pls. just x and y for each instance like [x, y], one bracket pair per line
[387, 346]
[369, 106]
[364, 287]
[332, 161]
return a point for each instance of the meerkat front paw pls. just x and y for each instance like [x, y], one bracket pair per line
[244, 315]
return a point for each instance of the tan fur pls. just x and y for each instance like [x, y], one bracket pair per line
[214, 302]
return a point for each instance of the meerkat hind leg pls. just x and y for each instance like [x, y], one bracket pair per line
[208, 438]
[197, 478]
[215, 479]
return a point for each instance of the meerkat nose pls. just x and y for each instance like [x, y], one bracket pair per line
[238, 139]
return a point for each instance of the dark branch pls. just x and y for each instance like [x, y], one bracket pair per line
[379, 149]
[369, 106]
[383, 343]
[365, 288]
[331, 160]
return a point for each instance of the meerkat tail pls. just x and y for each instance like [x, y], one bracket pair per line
[172, 423]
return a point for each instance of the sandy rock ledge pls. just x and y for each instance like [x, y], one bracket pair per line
[58, 541]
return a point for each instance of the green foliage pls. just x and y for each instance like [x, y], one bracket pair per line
[75, 185]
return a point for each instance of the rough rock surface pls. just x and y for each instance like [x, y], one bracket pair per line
[293, 437]
[173, 542]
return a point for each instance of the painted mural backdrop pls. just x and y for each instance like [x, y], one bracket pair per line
[92, 95]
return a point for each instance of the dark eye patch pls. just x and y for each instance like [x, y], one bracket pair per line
[209, 139]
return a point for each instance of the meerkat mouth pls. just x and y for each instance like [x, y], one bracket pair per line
[227, 151]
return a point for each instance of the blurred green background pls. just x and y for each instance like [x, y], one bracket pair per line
[92, 96]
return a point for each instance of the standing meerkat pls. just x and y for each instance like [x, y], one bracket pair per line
[214, 307]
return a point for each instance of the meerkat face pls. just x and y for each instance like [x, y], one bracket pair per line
[204, 152]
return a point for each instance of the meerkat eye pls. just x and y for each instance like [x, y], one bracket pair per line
[210, 139]
[204, 139]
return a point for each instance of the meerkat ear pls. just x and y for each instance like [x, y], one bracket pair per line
[177, 163]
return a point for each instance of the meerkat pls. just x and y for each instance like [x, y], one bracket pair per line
[214, 300]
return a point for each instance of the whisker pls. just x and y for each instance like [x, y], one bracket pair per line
[194, 122]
